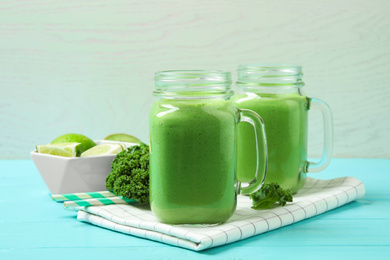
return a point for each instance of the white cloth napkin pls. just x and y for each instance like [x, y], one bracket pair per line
[316, 197]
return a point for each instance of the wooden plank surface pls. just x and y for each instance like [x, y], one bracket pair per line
[87, 67]
[293, 252]
[31, 225]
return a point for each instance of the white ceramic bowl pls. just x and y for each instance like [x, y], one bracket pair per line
[74, 174]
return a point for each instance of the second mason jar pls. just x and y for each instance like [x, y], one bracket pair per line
[275, 92]
[193, 129]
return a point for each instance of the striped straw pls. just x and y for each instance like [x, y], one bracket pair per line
[77, 204]
[82, 196]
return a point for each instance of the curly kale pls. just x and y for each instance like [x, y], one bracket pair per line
[129, 176]
[268, 195]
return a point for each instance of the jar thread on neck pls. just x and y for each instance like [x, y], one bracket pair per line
[284, 76]
[192, 84]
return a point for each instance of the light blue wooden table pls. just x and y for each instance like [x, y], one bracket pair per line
[34, 227]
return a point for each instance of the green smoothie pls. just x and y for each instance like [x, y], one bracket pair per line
[286, 122]
[193, 160]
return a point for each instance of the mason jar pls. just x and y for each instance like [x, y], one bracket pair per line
[275, 92]
[193, 148]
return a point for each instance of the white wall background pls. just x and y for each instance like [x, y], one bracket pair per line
[87, 66]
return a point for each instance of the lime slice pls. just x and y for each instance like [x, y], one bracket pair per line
[123, 138]
[63, 149]
[103, 149]
[75, 138]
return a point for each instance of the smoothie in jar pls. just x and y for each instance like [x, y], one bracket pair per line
[195, 141]
[286, 122]
[275, 92]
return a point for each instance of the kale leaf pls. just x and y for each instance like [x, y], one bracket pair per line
[268, 195]
[129, 176]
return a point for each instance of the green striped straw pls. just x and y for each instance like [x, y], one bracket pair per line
[77, 204]
[82, 196]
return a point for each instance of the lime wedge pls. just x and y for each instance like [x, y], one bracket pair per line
[63, 149]
[78, 138]
[103, 149]
[123, 138]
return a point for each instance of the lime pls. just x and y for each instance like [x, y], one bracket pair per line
[63, 149]
[103, 149]
[77, 138]
[123, 138]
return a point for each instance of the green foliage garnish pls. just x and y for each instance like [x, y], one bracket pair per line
[129, 176]
[270, 194]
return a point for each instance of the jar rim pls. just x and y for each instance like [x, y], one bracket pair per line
[171, 75]
[260, 66]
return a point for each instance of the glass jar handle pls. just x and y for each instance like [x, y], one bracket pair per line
[261, 161]
[328, 135]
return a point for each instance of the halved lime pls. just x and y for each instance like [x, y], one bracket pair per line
[103, 149]
[123, 138]
[63, 149]
[78, 138]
